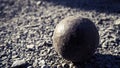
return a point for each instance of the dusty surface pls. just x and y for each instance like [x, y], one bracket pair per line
[26, 30]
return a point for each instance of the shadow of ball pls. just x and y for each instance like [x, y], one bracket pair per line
[76, 39]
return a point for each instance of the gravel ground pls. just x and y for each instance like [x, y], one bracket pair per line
[26, 30]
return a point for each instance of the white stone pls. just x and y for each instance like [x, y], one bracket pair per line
[42, 62]
[18, 63]
[117, 22]
[31, 46]
[35, 63]
[39, 2]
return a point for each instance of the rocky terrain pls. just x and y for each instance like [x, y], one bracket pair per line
[27, 26]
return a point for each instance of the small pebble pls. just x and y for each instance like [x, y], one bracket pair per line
[45, 66]
[42, 62]
[117, 22]
[39, 3]
[19, 64]
[35, 63]
[31, 47]
[59, 66]
[14, 56]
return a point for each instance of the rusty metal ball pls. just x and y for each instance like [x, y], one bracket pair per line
[76, 38]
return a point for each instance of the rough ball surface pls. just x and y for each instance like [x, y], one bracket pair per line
[76, 38]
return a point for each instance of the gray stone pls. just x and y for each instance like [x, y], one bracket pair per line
[3, 53]
[14, 56]
[55, 66]
[59, 66]
[45, 66]
[35, 63]
[29, 67]
[76, 38]
[4, 58]
[19, 64]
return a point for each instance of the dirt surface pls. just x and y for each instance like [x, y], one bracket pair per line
[27, 26]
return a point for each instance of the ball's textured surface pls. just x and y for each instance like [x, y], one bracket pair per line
[76, 38]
